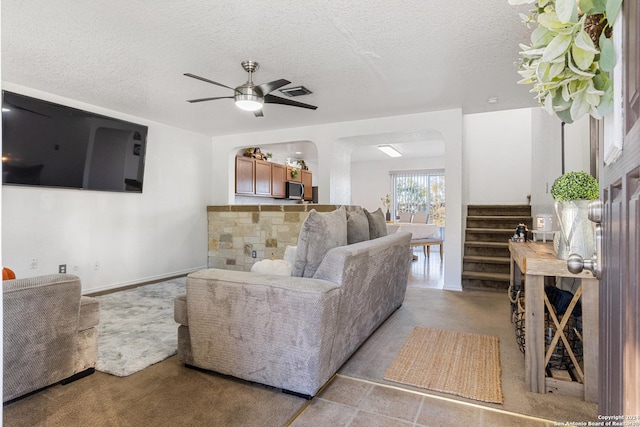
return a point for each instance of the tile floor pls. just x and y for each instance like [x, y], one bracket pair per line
[353, 402]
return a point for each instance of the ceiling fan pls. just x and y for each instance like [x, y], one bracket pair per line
[250, 97]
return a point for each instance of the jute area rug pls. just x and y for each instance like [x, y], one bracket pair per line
[462, 364]
[137, 328]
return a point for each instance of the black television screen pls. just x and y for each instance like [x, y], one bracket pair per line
[52, 145]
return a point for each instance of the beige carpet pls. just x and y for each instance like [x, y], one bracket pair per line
[166, 394]
[462, 364]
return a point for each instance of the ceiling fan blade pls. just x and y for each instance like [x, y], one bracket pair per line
[267, 88]
[193, 76]
[258, 113]
[272, 99]
[209, 99]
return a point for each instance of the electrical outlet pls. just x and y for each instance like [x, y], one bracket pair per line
[96, 265]
[34, 264]
[254, 254]
[62, 268]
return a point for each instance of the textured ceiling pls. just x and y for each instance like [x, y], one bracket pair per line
[361, 59]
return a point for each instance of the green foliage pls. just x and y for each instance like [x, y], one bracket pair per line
[567, 69]
[575, 186]
[414, 196]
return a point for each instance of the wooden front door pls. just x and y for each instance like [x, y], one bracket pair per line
[619, 288]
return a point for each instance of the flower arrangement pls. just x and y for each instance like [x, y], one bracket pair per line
[294, 173]
[575, 186]
[386, 201]
[570, 54]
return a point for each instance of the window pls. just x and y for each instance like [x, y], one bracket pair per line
[419, 192]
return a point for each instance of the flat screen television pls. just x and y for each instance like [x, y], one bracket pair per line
[52, 145]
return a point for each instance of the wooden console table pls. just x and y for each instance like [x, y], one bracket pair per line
[535, 261]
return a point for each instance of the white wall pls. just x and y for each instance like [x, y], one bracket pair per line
[497, 157]
[577, 146]
[370, 180]
[546, 156]
[133, 237]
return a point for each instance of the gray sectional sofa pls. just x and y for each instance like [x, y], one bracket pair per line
[290, 332]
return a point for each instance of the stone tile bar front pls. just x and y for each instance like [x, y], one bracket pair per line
[237, 231]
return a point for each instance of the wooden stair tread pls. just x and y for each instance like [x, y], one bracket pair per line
[487, 244]
[501, 217]
[501, 277]
[487, 259]
[499, 206]
[490, 230]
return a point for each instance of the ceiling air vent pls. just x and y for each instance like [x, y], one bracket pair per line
[296, 91]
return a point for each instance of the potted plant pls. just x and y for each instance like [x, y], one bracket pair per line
[570, 54]
[572, 193]
[268, 156]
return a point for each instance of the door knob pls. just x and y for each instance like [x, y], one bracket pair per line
[576, 264]
[595, 211]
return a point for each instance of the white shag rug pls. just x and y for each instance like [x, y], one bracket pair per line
[137, 328]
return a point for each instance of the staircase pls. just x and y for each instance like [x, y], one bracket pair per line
[485, 263]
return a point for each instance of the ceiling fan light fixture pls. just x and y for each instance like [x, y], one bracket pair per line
[249, 102]
[390, 150]
[249, 97]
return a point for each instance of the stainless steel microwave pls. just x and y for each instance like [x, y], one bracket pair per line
[295, 190]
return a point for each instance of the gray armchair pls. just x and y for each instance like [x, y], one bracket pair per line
[50, 333]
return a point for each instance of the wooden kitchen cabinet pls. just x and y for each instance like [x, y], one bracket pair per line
[290, 177]
[262, 178]
[278, 180]
[307, 182]
[255, 177]
[245, 170]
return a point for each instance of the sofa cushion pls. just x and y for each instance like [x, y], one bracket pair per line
[377, 223]
[357, 227]
[319, 233]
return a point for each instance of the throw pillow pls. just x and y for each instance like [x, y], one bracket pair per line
[290, 254]
[319, 233]
[377, 223]
[279, 267]
[357, 227]
[8, 274]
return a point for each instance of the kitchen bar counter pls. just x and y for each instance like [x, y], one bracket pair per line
[241, 235]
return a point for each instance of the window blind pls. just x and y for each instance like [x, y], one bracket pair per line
[420, 191]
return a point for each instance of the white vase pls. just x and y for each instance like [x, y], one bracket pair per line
[577, 232]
